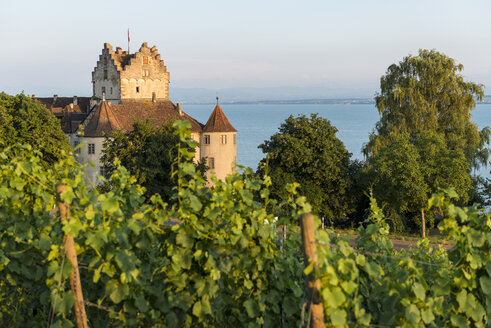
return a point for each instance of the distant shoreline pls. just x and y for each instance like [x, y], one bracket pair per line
[340, 101]
[347, 101]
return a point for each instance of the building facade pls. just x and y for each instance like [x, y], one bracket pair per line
[128, 87]
[218, 143]
[123, 76]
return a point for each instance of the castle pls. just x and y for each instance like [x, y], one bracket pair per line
[127, 87]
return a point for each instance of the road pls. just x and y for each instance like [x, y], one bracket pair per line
[403, 244]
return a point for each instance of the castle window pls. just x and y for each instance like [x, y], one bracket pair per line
[145, 59]
[103, 90]
[105, 74]
[137, 89]
[223, 139]
[91, 149]
[211, 162]
[207, 139]
[111, 90]
[235, 139]
[146, 72]
[75, 145]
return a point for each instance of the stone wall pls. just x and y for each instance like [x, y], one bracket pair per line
[84, 157]
[224, 155]
[145, 77]
[196, 137]
[106, 77]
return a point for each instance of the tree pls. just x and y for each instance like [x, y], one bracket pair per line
[24, 120]
[425, 107]
[426, 92]
[408, 171]
[148, 152]
[307, 151]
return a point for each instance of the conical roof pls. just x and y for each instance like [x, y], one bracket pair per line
[218, 122]
[103, 121]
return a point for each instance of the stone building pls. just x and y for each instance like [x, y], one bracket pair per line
[219, 143]
[123, 76]
[127, 87]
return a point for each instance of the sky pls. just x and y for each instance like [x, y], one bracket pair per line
[51, 47]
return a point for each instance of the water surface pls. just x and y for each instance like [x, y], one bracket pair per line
[256, 123]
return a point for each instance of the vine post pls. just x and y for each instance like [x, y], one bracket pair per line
[423, 224]
[313, 283]
[71, 254]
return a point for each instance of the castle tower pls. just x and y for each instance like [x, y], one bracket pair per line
[219, 144]
[120, 75]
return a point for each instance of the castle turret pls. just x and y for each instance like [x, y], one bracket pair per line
[219, 144]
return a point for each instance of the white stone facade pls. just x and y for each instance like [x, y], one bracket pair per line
[220, 150]
[89, 154]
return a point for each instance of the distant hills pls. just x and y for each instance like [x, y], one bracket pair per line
[309, 101]
[271, 95]
[278, 95]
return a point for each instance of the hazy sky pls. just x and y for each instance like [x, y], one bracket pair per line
[51, 47]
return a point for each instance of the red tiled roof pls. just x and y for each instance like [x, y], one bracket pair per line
[61, 102]
[103, 121]
[63, 108]
[218, 122]
[122, 116]
[71, 120]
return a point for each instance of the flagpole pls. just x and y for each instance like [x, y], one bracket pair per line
[128, 41]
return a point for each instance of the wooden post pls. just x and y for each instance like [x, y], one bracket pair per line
[313, 284]
[71, 254]
[423, 223]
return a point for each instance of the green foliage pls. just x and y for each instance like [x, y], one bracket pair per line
[409, 170]
[424, 139]
[212, 259]
[358, 184]
[29, 237]
[426, 92]
[215, 259]
[24, 120]
[148, 152]
[307, 151]
[374, 285]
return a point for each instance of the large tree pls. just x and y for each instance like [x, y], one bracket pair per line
[424, 139]
[427, 92]
[24, 120]
[148, 152]
[306, 150]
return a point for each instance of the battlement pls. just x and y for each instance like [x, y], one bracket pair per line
[123, 75]
[122, 59]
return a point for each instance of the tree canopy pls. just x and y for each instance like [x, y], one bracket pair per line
[427, 92]
[147, 152]
[408, 171]
[424, 139]
[24, 120]
[306, 150]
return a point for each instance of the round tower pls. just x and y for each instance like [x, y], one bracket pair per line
[219, 144]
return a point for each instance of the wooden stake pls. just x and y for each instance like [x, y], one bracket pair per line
[71, 254]
[313, 284]
[423, 224]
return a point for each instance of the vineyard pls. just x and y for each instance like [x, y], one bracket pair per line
[216, 258]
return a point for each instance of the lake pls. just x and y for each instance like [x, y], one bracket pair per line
[256, 123]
